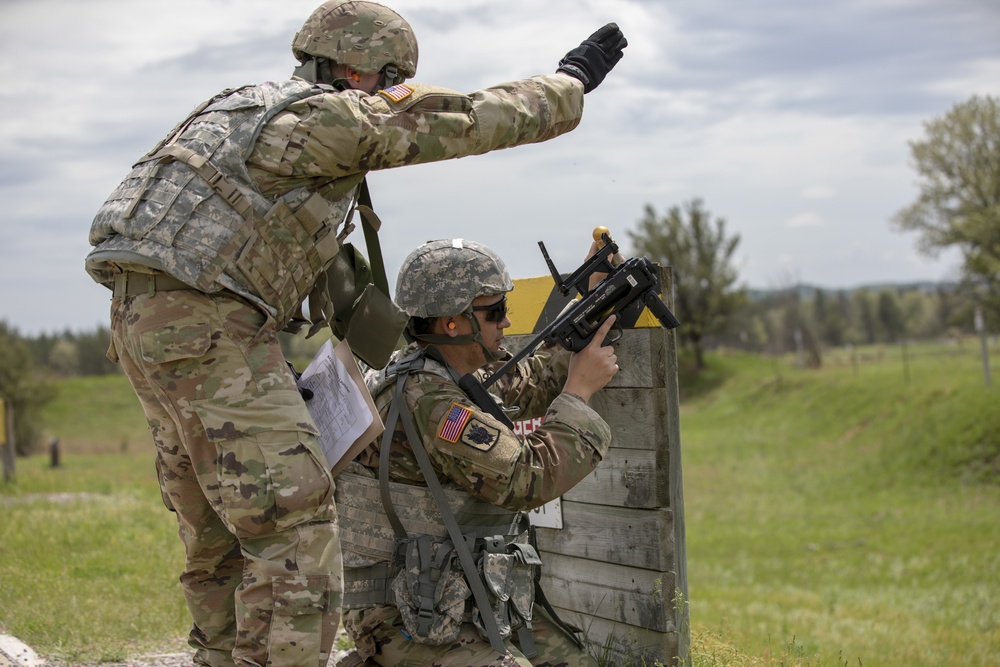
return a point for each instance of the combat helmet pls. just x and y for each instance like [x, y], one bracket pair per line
[366, 36]
[441, 278]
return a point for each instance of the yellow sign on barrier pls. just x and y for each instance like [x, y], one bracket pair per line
[535, 302]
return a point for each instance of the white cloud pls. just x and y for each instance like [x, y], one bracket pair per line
[808, 219]
[818, 192]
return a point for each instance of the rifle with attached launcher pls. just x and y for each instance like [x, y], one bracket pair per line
[630, 286]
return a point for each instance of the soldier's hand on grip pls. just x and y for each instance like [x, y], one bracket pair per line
[595, 57]
[592, 368]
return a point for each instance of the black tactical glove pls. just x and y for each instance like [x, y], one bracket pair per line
[593, 59]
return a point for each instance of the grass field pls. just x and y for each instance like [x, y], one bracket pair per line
[843, 516]
[849, 515]
[89, 556]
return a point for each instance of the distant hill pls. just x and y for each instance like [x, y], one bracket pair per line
[807, 291]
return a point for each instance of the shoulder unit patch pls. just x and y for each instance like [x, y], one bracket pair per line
[397, 93]
[480, 435]
[451, 427]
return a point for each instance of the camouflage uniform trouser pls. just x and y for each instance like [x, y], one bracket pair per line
[237, 460]
[379, 630]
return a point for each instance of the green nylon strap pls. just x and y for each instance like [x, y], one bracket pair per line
[370, 223]
[566, 628]
[383, 468]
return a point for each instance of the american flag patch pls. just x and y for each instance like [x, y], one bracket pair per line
[397, 93]
[452, 427]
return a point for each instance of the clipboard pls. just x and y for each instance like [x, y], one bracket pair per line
[342, 406]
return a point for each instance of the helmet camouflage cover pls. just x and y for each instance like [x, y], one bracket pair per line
[366, 36]
[441, 278]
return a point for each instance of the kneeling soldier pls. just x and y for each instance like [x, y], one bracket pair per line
[439, 565]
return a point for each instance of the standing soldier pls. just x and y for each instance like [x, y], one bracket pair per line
[211, 244]
[428, 585]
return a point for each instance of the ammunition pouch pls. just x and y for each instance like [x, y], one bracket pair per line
[346, 280]
[421, 575]
[287, 250]
[430, 591]
[375, 327]
[508, 570]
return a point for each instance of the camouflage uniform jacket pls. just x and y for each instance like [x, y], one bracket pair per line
[471, 450]
[291, 156]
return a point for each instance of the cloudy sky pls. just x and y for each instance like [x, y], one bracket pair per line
[789, 119]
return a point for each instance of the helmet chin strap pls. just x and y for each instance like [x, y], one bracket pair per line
[389, 76]
[475, 337]
[319, 70]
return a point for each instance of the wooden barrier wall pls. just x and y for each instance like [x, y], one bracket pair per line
[616, 566]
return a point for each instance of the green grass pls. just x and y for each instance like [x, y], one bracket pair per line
[847, 516]
[96, 414]
[89, 559]
[89, 556]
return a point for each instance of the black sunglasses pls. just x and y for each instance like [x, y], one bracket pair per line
[495, 311]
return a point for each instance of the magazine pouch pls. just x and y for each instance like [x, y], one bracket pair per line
[508, 570]
[430, 591]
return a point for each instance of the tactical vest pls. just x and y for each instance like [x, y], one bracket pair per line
[367, 534]
[440, 556]
[190, 208]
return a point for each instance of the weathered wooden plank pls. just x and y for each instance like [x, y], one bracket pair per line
[640, 359]
[682, 651]
[623, 645]
[626, 478]
[638, 417]
[614, 535]
[629, 595]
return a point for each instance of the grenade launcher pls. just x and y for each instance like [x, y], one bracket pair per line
[629, 286]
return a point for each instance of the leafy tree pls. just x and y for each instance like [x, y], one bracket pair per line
[890, 316]
[831, 319]
[798, 331]
[958, 163]
[64, 359]
[22, 392]
[918, 314]
[92, 349]
[701, 255]
[866, 323]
